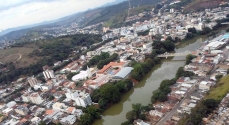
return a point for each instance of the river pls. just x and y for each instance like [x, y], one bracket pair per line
[142, 92]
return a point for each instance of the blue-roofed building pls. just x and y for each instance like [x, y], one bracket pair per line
[123, 73]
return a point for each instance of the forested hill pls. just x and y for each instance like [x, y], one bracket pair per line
[106, 13]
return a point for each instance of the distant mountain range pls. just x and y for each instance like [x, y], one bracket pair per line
[3, 32]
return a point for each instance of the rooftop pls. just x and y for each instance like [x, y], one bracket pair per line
[110, 65]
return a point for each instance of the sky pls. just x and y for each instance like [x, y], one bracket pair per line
[15, 13]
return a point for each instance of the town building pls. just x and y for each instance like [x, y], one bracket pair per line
[22, 110]
[32, 81]
[36, 98]
[81, 98]
[48, 74]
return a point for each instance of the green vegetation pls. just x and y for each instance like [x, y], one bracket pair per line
[189, 58]
[141, 69]
[201, 110]
[182, 73]
[210, 102]
[220, 90]
[111, 93]
[91, 113]
[137, 112]
[101, 60]
[52, 50]
[70, 75]
[161, 93]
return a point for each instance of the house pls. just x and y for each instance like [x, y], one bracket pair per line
[141, 122]
[196, 96]
[156, 113]
[59, 106]
[69, 120]
[204, 85]
[81, 98]
[22, 110]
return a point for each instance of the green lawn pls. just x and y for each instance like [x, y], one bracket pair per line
[221, 89]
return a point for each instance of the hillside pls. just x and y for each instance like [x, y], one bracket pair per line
[102, 14]
[198, 5]
[107, 13]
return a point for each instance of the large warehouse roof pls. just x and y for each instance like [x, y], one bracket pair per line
[123, 72]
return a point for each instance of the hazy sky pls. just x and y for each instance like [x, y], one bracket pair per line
[14, 13]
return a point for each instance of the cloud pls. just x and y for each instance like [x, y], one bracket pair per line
[16, 13]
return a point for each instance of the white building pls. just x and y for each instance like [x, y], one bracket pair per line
[49, 74]
[204, 85]
[81, 98]
[22, 110]
[59, 106]
[69, 120]
[147, 45]
[35, 120]
[32, 81]
[25, 97]
[36, 98]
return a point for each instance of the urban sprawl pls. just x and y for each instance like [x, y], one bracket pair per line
[211, 60]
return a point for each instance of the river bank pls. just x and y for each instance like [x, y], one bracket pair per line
[142, 92]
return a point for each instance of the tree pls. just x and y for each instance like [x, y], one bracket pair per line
[110, 93]
[131, 116]
[126, 123]
[192, 30]
[103, 103]
[93, 111]
[142, 116]
[95, 96]
[205, 31]
[70, 75]
[42, 123]
[85, 119]
[169, 46]
[189, 58]
[218, 77]
[51, 98]
[137, 108]
[211, 104]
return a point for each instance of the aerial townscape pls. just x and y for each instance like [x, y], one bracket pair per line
[164, 62]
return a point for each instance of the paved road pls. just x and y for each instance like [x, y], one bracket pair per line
[174, 110]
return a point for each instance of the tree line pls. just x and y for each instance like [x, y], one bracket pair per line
[100, 60]
[106, 95]
[137, 112]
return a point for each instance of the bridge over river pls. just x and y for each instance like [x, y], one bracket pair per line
[166, 55]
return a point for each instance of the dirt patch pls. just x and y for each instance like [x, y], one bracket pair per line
[19, 56]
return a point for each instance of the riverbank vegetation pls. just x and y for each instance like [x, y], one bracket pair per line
[105, 96]
[110, 93]
[141, 69]
[138, 112]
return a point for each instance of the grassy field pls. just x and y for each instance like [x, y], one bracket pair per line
[221, 89]
[20, 54]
